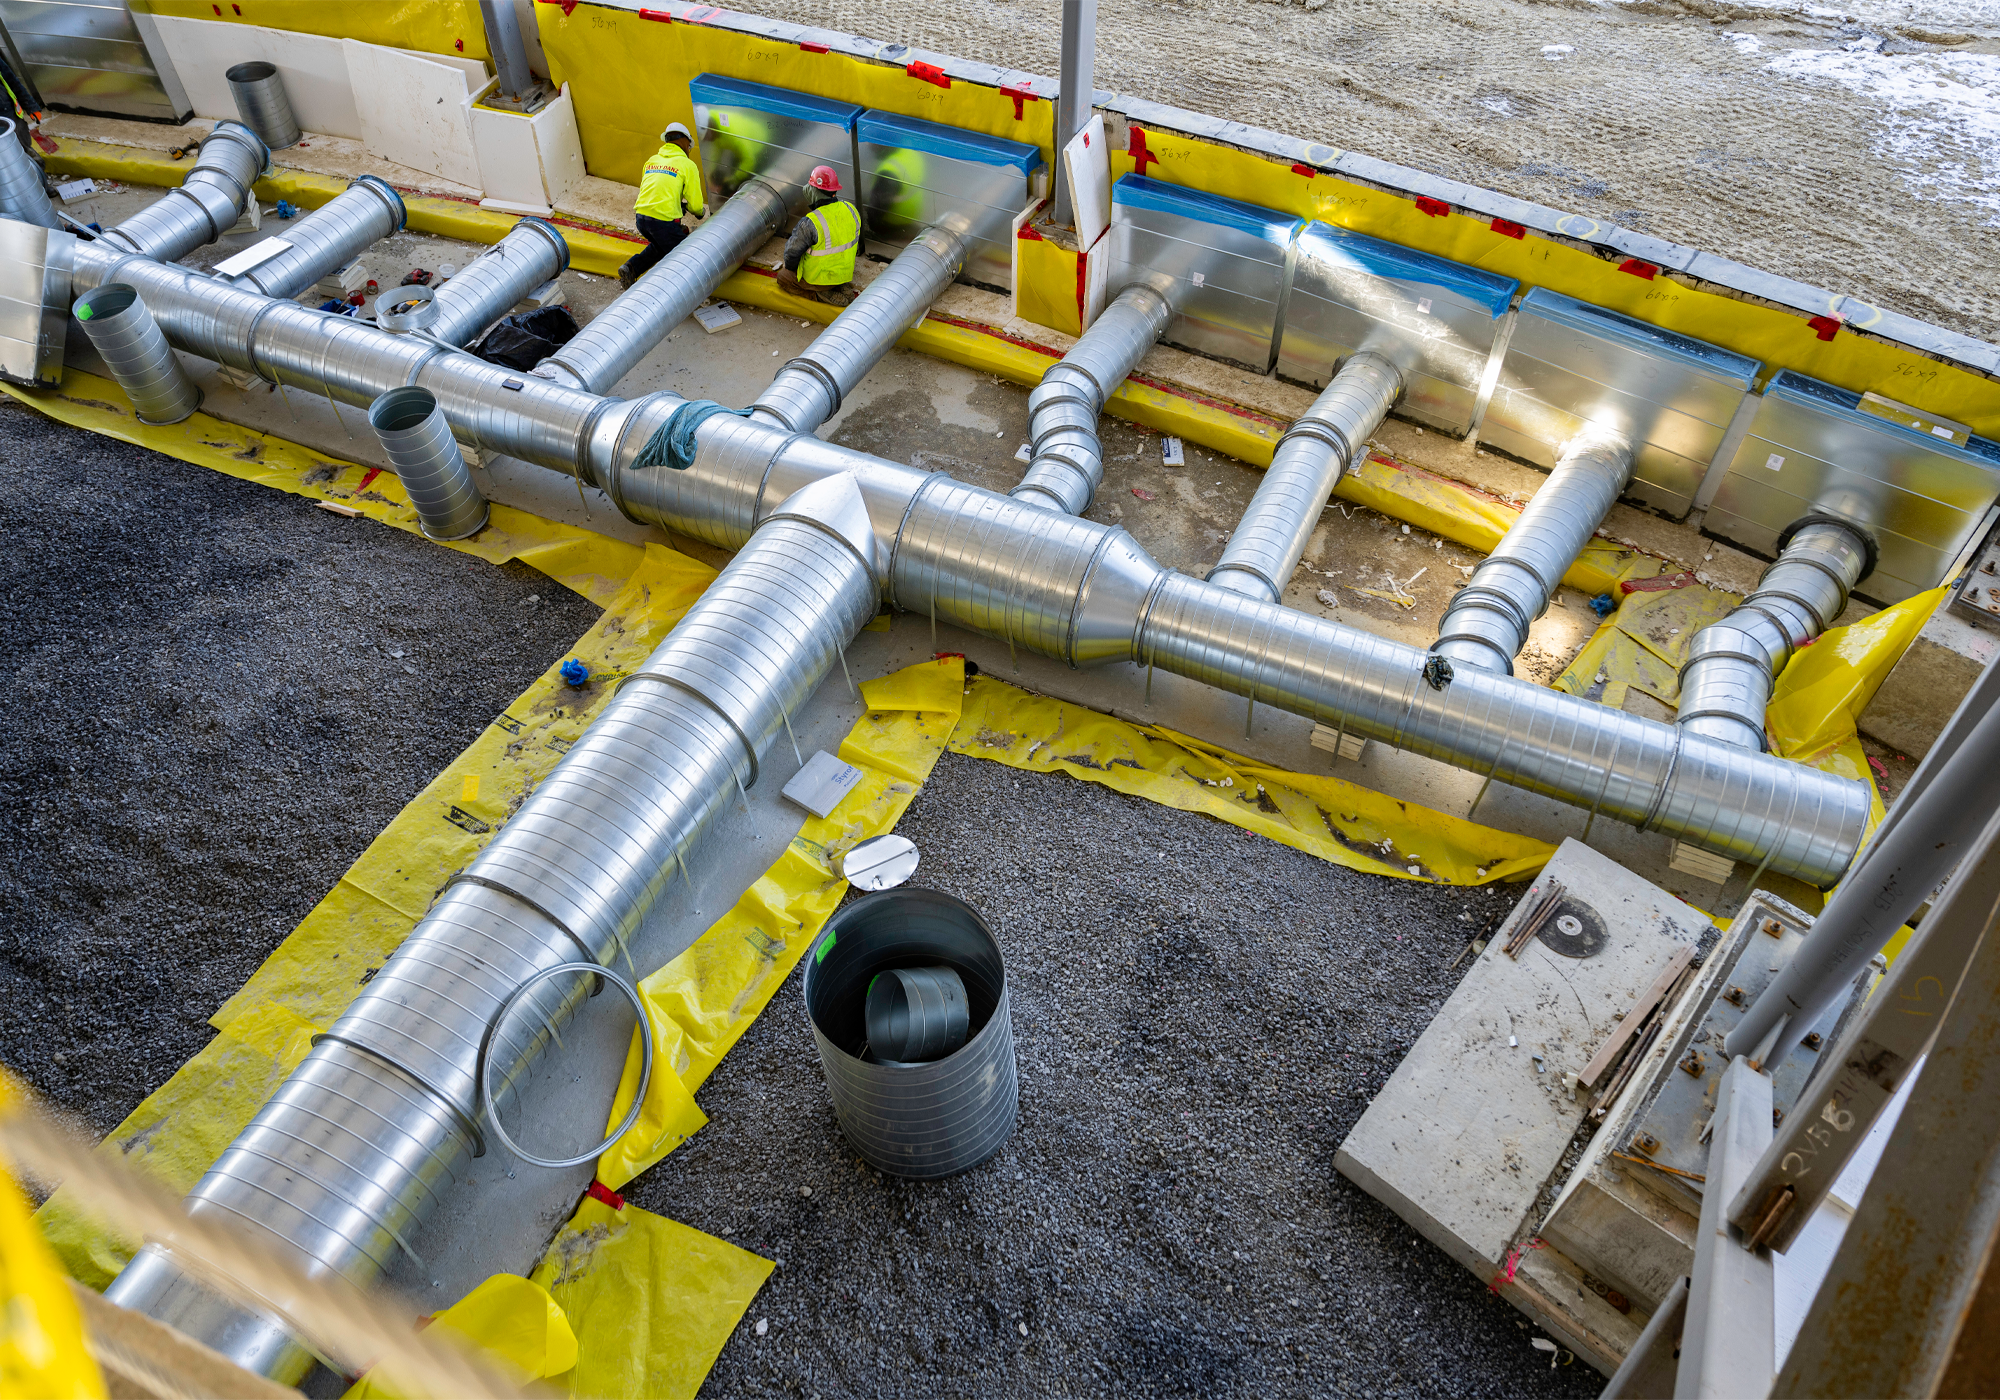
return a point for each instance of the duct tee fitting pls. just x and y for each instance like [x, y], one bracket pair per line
[136, 352]
[533, 253]
[1266, 546]
[1727, 678]
[23, 195]
[426, 459]
[262, 103]
[1067, 465]
[808, 390]
[207, 203]
[329, 238]
[1487, 623]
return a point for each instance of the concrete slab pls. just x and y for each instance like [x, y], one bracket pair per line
[1913, 704]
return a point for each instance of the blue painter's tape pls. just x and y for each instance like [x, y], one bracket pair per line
[954, 142]
[1830, 398]
[1489, 291]
[1138, 192]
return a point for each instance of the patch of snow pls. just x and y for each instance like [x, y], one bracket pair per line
[1745, 44]
[1555, 53]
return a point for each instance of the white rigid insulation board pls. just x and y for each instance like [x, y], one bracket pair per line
[415, 114]
[312, 67]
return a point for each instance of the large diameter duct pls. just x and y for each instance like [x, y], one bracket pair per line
[534, 253]
[23, 195]
[207, 203]
[622, 334]
[340, 1170]
[1487, 623]
[136, 352]
[1726, 681]
[426, 459]
[1266, 546]
[263, 104]
[1067, 465]
[808, 390]
[329, 238]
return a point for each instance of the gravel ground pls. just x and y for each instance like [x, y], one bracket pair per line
[1201, 1016]
[221, 695]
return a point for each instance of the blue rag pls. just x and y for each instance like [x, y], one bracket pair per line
[672, 444]
[575, 673]
[1603, 605]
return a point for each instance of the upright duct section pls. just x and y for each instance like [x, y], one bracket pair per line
[534, 253]
[341, 1168]
[262, 103]
[808, 390]
[330, 237]
[1310, 458]
[1487, 623]
[1732, 664]
[620, 336]
[207, 203]
[1068, 463]
[503, 41]
[426, 459]
[136, 352]
[23, 196]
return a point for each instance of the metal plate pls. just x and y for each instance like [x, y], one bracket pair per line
[1435, 318]
[747, 129]
[1810, 450]
[87, 57]
[879, 863]
[1228, 259]
[915, 172]
[35, 265]
[1570, 363]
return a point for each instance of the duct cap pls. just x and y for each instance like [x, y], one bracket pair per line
[835, 504]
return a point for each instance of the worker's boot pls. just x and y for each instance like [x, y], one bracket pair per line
[841, 295]
[625, 277]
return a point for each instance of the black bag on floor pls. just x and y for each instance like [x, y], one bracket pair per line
[523, 341]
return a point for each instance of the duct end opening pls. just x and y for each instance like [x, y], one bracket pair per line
[401, 409]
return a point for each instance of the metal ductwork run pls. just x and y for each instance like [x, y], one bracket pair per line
[263, 104]
[808, 390]
[492, 283]
[426, 459]
[1726, 681]
[1487, 623]
[1266, 546]
[207, 203]
[23, 196]
[1067, 465]
[136, 352]
[329, 238]
[340, 1169]
[620, 336]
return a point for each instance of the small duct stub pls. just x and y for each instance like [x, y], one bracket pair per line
[136, 352]
[423, 453]
[23, 196]
[918, 1118]
[261, 102]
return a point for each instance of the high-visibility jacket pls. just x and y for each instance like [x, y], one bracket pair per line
[672, 182]
[836, 234]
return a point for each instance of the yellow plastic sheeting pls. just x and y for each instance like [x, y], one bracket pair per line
[651, 1300]
[700, 1004]
[42, 1351]
[428, 26]
[1643, 645]
[512, 1321]
[1818, 699]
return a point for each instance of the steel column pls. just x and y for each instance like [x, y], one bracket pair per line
[1729, 1342]
[1079, 89]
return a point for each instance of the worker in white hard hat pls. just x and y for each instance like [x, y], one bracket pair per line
[669, 188]
[819, 256]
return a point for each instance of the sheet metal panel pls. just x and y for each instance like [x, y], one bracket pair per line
[747, 129]
[87, 57]
[35, 265]
[913, 173]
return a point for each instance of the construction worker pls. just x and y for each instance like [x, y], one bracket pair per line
[819, 256]
[670, 186]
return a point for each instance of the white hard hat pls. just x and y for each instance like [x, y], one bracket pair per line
[676, 129]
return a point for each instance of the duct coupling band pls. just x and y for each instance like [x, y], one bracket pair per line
[811, 369]
[1320, 431]
[673, 444]
[466, 877]
[678, 684]
[469, 1124]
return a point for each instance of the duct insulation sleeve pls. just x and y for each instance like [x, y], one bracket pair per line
[136, 352]
[808, 390]
[503, 41]
[23, 194]
[1725, 683]
[492, 283]
[207, 203]
[1067, 462]
[622, 334]
[925, 1120]
[338, 1173]
[425, 458]
[1266, 546]
[329, 238]
[1487, 623]
[262, 103]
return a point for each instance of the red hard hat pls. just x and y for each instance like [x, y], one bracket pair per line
[825, 178]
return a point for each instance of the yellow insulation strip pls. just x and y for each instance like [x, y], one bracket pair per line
[512, 1322]
[43, 1355]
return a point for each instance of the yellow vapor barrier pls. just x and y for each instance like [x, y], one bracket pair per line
[428, 26]
[1644, 644]
[651, 1300]
[1819, 697]
[42, 1351]
[512, 1321]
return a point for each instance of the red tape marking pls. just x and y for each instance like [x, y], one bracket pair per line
[1825, 327]
[1305, 170]
[600, 1192]
[1639, 269]
[1028, 235]
[373, 472]
[1021, 98]
[1512, 1263]
[657, 16]
[813, 48]
[1140, 155]
[1507, 228]
[929, 72]
[1436, 208]
[568, 6]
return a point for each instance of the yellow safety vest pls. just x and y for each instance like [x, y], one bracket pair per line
[672, 182]
[836, 234]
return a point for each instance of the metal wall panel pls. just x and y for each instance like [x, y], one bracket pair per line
[1570, 363]
[913, 173]
[88, 57]
[34, 301]
[1811, 451]
[747, 129]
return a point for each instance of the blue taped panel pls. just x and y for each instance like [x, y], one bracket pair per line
[955, 142]
[1138, 192]
[1843, 403]
[1483, 289]
[1740, 370]
[760, 97]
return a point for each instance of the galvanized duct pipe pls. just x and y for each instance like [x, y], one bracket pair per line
[23, 196]
[329, 238]
[262, 102]
[340, 1169]
[620, 336]
[1726, 680]
[1310, 458]
[1487, 623]
[426, 459]
[1068, 464]
[133, 348]
[494, 281]
[808, 390]
[207, 203]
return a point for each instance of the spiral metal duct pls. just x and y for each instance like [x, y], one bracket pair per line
[1068, 463]
[136, 352]
[494, 281]
[23, 196]
[207, 203]
[426, 459]
[1727, 678]
[263, 104]
[1487, 623]
[1310, 458]
[808, 390]
[342, 1167]
[620, 336]
[330, 237]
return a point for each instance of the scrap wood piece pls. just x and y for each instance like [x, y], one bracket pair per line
[1641, 1012]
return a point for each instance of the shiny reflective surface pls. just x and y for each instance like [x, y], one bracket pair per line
[426, 459]
[490, 285]
[915, 173]
[750, 129]
[136, 352]
[35, 266]
[259, 93]
[329, 238]
[208, 201]
[87, 56]
[23, 197]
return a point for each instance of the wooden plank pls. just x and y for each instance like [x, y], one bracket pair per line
[1634, 1018]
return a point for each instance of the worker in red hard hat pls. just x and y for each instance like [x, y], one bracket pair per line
[669, 187]
[819, 256]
